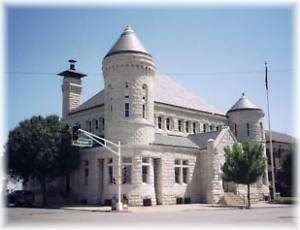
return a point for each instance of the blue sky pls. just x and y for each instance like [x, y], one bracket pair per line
[217, 53]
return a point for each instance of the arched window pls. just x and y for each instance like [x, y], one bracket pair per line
[159, 122]
[235, 130]
[187, 128]
[204, 128]
[248, 129]
[168, 123]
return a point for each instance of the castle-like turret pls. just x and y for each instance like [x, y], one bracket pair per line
[246, 121]
[71, 88]
[128, 71]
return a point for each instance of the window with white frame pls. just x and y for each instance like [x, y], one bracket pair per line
[145, 170]
[126, 170]
[110, 168]
[181, 171]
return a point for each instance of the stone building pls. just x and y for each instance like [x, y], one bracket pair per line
[172, 142]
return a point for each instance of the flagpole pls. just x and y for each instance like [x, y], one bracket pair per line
[270, 135]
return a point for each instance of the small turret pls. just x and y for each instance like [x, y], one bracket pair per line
[71, 88]
[246, 120]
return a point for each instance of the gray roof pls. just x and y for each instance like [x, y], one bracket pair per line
[198, 141]
[174, 141]
[166, 91]
[128, 42]
[280, 137]
[201, 138]
[243, 104]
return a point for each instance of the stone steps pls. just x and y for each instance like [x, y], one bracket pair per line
[232, 200]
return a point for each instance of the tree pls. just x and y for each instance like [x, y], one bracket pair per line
[244, 164]
[40, 148]
[287, 170]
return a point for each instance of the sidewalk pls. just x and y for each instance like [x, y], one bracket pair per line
[170, 208]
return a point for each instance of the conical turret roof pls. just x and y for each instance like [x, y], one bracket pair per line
[128, 42]
[243, 104]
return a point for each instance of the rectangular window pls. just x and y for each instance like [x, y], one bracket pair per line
[185, 175]
[144, 111]
[86, 176]
[96, 124]
[126, 170]
[194, 127]
[126, 174]
[103, 123]
[159, 122]
[177, 175]
[145, 169]
[187, 128]
[248, 129]
[126, 109]
[110, 170]
[204, 128]
[179, 125]
[145, 173]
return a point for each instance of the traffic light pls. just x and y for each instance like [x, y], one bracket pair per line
[124, 174]
[75, 133]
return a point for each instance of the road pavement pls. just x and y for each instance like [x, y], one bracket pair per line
[284, 216]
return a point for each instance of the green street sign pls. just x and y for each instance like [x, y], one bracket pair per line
[83, 142]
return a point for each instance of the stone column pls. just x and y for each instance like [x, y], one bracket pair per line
[214, 181]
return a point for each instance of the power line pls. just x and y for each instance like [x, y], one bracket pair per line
[34, 74]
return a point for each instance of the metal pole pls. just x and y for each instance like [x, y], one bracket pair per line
[270, 140]
[119, 205]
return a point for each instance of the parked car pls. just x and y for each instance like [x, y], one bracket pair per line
[20, 198]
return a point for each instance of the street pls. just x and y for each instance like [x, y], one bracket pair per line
[280, 216]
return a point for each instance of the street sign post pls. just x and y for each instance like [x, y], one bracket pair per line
[83, 142]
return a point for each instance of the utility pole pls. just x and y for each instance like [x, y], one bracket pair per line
[270, 135]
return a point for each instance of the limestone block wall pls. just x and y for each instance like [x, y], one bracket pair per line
[215, 160]
[161, 188]
[175, 114]
[71, 89]
[129, 78]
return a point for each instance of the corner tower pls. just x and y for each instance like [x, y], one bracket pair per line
[71, 88]
[129, 71]
[246, 122]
